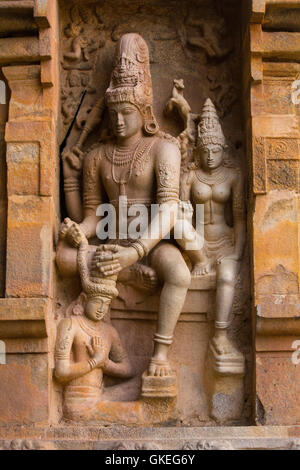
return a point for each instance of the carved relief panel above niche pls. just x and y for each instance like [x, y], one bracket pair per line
[149, 330]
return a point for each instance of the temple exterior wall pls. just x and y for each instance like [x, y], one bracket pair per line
[56, 63]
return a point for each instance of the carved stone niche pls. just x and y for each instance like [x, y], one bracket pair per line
[175, 53]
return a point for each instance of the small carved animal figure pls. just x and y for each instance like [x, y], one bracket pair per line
[178, 101]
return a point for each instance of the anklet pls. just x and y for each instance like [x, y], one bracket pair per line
[163, 339]
[222, 325]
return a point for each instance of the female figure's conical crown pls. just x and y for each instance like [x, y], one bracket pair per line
[131, 78]
[209, 127]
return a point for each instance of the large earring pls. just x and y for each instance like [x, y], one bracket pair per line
[151, 127]
[150, 124]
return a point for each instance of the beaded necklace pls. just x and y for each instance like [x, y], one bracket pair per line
[121, 157]
[217, 177]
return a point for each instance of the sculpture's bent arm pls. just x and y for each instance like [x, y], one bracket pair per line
[238, 214]
[118, 364]
[93, 192]
[167, 169]
[82, 264]
[64, 369]
[186, 181]
[73, 202]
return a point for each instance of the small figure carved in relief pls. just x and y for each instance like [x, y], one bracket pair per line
[210, 182]
[214, 39]
[138, 163]
[79, 43]
[86, 347]
[225, 91]
[81, 48]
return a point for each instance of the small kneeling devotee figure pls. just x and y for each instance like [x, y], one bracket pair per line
[86, 347]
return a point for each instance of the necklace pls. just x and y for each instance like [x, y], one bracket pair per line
[218, 177]
[121, 157]
[88, 328]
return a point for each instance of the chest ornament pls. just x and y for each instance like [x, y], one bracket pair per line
[134, 158]
[219, 176]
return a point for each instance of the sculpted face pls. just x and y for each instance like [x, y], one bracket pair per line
[211, 157]
[96, 309]
[126, 120]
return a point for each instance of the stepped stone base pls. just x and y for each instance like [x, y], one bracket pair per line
[164, 438]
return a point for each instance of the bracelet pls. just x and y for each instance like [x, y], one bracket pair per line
[92, 363]
[140, 248]
[71, 185]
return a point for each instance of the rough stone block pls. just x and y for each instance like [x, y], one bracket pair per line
[226, 394]
[277, 388]
[275, 240]
[259, 165]
[19, 49]
[29, 246]
[283, 174]
[277, 96]
[23, 163]
[41, 132]
[24, 390]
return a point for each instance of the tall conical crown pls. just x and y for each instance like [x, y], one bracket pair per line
[131, 78]
[209, 127]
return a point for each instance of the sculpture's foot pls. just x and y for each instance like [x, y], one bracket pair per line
[201, 269]
[159, 381]
[227, 360]
[141, 277]
[223, 345]
[159, 368]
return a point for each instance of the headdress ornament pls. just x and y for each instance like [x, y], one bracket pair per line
[131, 78]
[209, 127]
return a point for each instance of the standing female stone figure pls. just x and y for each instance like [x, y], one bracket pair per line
[213, 184]
[144, 167]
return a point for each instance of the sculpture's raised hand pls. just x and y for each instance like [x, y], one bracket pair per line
[71, 232]
[97, 351]
[72, 162]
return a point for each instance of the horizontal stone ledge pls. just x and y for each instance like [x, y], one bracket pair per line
[278, 326]
[10, 26]
[289, 308]
[280, 345]
[26, 345]
[24, 318]
[282, 3]
[272, 125]
[151, 316]
[22, 329]
[26, 309]
[21, 7]
[277, 45]
[23, 49]
[163, 438]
